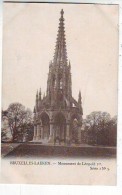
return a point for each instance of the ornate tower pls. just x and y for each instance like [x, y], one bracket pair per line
[55, 112]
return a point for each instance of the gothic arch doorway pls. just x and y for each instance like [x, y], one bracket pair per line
[60, 127]
[45, 126]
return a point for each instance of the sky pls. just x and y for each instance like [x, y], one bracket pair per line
[29, 36]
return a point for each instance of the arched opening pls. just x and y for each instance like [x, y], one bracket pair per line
[60, 128]
[54, 81]
[74, 128]
[45, 126]
[60, 82]
[60, 90]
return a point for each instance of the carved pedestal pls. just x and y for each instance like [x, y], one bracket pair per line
[51, 137]
[68, 133]
[79, 134]
[35, 133]
[38, 137]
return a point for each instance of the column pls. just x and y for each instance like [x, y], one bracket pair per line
[35, 132]
[38, 132]
[62, 133]
[68, 133]
[51, 137]
[41, 131]
[79, 134]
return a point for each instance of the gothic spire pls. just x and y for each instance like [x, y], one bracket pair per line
[44, 96]
[69, 65]
[40, 94]
[34, 110]
[37, 101]
[79, 98]
[60, 55]
[37, 95]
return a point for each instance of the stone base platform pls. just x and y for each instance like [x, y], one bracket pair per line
[37, 149]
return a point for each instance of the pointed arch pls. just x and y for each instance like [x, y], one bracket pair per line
[60, 127]
[45, 125]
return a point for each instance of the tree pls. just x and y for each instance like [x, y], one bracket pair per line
[96, 124]
[113, 131]
[18, 118]
[103, 128]
[5, 130]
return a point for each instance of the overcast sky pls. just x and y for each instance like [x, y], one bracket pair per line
[29, 36]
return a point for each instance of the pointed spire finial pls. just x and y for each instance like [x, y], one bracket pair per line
[79, 98]
[80, 92]
[62, 12]
[34, 110]
[40, 94]
[60, 54]
[69, 64]
[36, 100]
[40, 91]
[37, 94]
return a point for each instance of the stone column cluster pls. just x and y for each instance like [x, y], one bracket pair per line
[51, 136]
[38, 132]
[67, 133]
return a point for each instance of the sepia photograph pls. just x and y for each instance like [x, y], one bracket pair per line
[59, 93]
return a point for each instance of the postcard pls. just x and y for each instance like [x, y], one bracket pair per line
[59, 93]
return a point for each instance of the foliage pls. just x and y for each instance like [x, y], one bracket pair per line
[19, 119]
[5, 130]
[101, 128]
